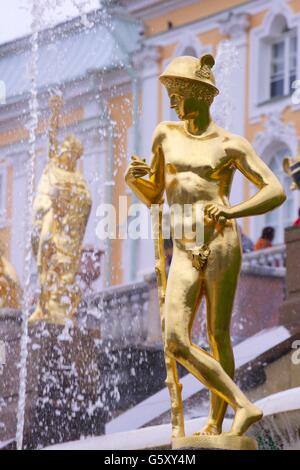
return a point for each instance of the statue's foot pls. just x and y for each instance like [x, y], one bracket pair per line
[209, 430]
[244, 418]
[177, 432]
[178, 429]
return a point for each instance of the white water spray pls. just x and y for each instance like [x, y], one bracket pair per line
[33, 123]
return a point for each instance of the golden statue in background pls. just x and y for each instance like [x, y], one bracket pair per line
[10, 290]
[194, 161]
[61, 211]
[292, 168]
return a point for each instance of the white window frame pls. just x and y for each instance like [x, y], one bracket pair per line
[285, 38]
[261, 39]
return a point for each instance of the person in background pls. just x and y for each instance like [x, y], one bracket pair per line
[297, 221]
[247, 243]
[266, 239]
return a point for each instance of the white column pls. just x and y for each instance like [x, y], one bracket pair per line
[146, 62]
[235, 26]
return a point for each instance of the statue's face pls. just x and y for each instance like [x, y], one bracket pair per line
[71, 151]
[185, 106]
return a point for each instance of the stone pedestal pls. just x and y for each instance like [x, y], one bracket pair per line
[65, 385]
[223, 441]
[63, 382]
[290, 309]
[76, 380]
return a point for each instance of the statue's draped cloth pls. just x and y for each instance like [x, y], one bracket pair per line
[60, 212]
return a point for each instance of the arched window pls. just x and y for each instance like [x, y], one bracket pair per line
[278, 61]
[284, 215]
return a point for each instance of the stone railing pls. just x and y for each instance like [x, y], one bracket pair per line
[269, 257]
[121, 313]
[129, 314]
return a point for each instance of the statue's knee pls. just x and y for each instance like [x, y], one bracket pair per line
[176, 346]
[170, 346]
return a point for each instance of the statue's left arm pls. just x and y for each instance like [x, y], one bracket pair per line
[270, 191]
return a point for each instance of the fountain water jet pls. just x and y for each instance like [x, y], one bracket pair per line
[33, 123]
[40, 14]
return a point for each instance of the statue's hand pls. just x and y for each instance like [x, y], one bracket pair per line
[217, 212]
[137, 169]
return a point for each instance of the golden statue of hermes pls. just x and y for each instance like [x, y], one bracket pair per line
[194, 161]
[10, 290]
[61, 211]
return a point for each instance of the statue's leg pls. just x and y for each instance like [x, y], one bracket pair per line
[172, 381]
[175, 389]
[174, 386]
[219, 303]
[182, 298]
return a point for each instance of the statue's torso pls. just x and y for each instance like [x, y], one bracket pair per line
[198, 170]
[69, 198]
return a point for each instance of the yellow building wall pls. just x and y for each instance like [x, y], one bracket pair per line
[16, 135]
[21, 133]
[212, 38]
[5, 232]
[121, 112]
[188, 14]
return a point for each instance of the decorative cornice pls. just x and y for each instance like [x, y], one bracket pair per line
[234, 24]
[145, 9]
[276, 130]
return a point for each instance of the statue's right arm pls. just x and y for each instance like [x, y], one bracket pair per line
[149, 191]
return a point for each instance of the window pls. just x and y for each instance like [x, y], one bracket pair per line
[283, 64]
[284, 215]
[274, 61]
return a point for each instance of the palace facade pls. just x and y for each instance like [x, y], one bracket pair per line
[108, 74]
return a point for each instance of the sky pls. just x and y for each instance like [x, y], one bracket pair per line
[15, 15]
